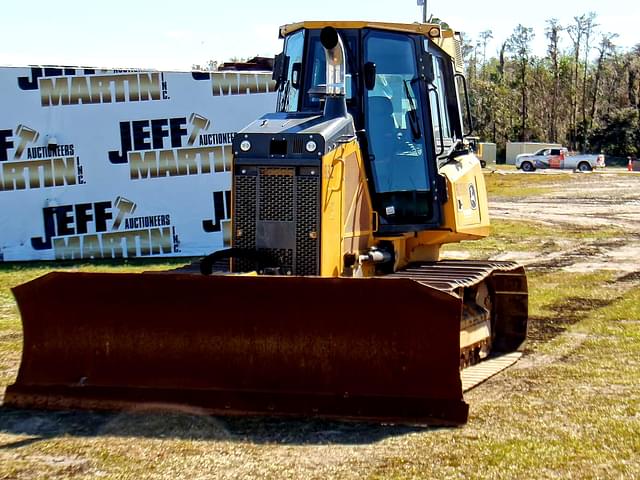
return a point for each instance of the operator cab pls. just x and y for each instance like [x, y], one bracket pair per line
[401, 92]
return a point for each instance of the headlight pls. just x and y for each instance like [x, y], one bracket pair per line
[311, 146]
[245, 145]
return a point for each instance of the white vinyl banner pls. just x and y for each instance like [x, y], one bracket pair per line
[117, 164]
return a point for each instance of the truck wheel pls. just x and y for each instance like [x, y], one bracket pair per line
[584, 167]
[527, 167]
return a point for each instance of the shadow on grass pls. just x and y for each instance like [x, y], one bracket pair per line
[45, 425]
[562, 315]
[629, 277]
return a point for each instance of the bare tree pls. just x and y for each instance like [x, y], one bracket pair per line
[553, 50]
[589, 27]
[605, 49]
[633, 78]
[484, 40]
[469, 56]
[519, 43]
[503, 48]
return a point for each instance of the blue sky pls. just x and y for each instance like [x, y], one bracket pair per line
[175, 35]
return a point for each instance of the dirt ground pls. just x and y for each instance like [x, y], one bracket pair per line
[600, 200]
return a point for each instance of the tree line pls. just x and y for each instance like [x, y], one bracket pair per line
[585, 96]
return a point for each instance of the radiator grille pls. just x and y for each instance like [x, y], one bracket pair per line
[244, 218]
[276, 194]
[277, 212]
[307, 224]
[298, 144]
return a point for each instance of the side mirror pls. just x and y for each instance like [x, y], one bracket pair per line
[369, 75]
[469, 118]
[280, 66]
[426, 64]
[295, 75]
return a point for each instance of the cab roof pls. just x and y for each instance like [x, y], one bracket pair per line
[446, 38]
[419, 28]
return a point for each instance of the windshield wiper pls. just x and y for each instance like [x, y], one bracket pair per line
[283, 99]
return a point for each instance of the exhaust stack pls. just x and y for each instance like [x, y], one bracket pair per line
[335, 103]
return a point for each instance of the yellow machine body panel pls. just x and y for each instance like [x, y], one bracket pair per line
[346, 208]
[466, 213]
[420, 28]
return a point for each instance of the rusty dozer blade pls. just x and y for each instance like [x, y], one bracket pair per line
[378, 349]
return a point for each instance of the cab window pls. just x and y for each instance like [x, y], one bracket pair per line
[442, 127]
[317, 74]
[289, 94]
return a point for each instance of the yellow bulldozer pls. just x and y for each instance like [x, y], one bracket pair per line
[335, 302]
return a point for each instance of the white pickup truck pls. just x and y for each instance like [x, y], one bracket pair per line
[558, 158]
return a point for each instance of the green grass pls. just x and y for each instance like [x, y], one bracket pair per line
[502, 184]
[523, 185]
[521, 236]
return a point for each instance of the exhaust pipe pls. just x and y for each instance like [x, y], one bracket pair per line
[335, 102]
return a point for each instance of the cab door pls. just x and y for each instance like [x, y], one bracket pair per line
[394, 111]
